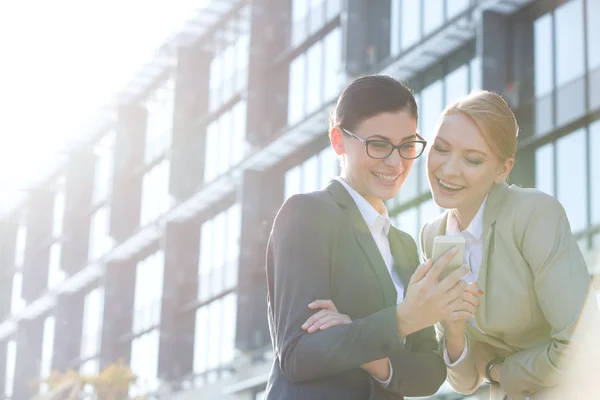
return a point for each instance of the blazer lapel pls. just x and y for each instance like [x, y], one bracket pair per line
[490, 214]
[365, 239]
[402, 263]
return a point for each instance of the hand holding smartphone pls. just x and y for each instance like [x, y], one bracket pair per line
[441, 244]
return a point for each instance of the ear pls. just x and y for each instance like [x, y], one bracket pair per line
[336, 136]
[504, 170]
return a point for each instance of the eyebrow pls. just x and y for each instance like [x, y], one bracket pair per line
[410, 137]
[468, 150]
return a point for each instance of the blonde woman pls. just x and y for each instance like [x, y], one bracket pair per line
[522, 255]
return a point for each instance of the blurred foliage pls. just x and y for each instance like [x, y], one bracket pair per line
[111, 384]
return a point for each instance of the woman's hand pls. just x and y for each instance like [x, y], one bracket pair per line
[454, 324]
[327, 317]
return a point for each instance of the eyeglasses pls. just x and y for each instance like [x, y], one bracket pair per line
[380, 149]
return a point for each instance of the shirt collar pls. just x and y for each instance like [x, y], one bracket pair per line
[475, 228]
[368, 212]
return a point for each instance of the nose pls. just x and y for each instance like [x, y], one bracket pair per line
[450, 167]
[394, 160]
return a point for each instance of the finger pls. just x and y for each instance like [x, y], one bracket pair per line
[326, 304]
[314, 318]
[333, 322]
[473, 288]
[441, 262]
[471, 299]
[459, 315]
[467, 307]
[421, 271]
[453, 278]
[315, 327]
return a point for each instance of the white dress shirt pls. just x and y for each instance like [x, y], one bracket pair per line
[379, 225]
[472, 256]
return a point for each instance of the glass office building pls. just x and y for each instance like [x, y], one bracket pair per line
[147, 244]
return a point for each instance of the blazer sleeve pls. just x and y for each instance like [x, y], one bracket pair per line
[300, 256]
[421, 371]
[462, 377]
[562, 285]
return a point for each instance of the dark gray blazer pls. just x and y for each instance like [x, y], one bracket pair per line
[321, 248]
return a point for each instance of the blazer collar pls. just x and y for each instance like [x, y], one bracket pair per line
[364, 238]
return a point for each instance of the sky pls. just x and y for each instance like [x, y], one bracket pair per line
[61, 60]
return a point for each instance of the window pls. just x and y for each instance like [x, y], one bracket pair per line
[17, 303]
[571, 178]
[219, 253]
[47, 351]
[593, 31]
[309, 16]
[214, 339]
[593, 50]
[314, 77]
[408, 222]
[475, 70]
[395, 19]
[433, 15]
[543, 75]
[11, 361]
[411, 23]
[570, 62]
[229, 66]
[595, 171]
[457, 84]
[455, 7]
[432, 101]
[313, 174]
[428, 210]
[543, 55]
[103, 171]
[58, 213]
[148, 292]
[314, 87]
[225, 141]
[55, 274]
[144, 362]
[91, 335]
[156, 198]
[544, 169]
[100, 240]
[159, 128]
[20, 245]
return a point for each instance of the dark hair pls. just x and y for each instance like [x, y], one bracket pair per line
[368, 96]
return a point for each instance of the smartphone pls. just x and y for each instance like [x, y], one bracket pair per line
[441, 244]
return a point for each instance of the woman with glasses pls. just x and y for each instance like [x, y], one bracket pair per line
[350, 308]
[522, 254]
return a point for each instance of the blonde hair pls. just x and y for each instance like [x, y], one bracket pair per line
[494, 119]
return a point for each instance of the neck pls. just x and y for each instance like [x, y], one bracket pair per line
[465, 215]
[375, 202]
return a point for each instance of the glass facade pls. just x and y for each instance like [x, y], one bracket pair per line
[559, 139]
[315, 77]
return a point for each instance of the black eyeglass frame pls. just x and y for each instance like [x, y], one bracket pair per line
[394, 147]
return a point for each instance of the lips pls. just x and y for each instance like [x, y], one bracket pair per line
[385, 177]
[449, 186]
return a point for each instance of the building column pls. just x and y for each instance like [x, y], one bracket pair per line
[262, 195]
[119, 290]
[506, 70]
[69, 325]
[179, 289]
[8, 232]
[267, 82]
[127, 182]
[29, 353]
[189, 137]
[79, 184]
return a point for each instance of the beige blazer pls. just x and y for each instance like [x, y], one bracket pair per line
[535, 285]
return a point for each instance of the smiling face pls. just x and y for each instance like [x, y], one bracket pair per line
[461, 166]
[376, 180]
